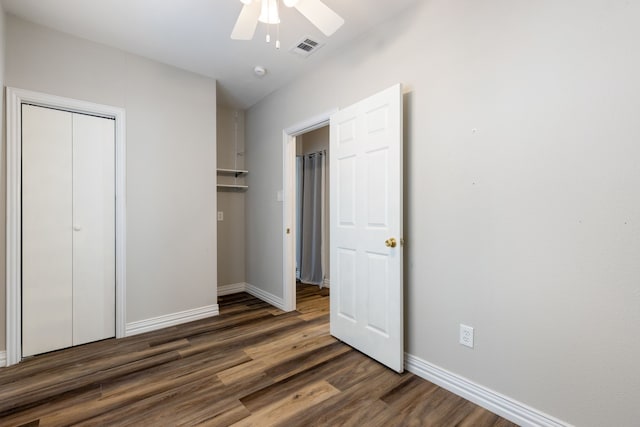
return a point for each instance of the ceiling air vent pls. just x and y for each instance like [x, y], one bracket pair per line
[306, 46]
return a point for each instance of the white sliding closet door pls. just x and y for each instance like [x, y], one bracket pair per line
[47, 294]
[68, 229]
[94, 228]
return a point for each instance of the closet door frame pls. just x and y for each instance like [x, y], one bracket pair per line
[15, 98]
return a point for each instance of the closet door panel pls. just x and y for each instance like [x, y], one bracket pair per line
[46, 230]
[94, 228]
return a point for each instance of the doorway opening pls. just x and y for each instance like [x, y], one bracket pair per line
[312, 209]
[312, 136]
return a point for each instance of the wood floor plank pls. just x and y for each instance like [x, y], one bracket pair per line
[290, 341]
[247, 320]
[356, 368]
[310, 347]
[307, 360]
[479, 417]
[110, 402]
[189, 404]
[350, 402]
[408, 393]
[251, 365]
[234, 415]
[77, 398]
[34, 389]
[321, 372]
[440, 409]
[244, 335]
[369, 412]
[290, 405]
[315, 315]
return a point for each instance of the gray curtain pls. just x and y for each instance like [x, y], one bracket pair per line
[309, 224]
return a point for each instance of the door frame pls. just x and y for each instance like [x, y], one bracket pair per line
[15, 98]
[289, 202]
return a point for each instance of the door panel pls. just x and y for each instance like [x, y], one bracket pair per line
[68, 229]
[94, 228]
[346, 266]
[377, 182]
[377, 278]
[347, 191]
[366, 210]
[47, 295]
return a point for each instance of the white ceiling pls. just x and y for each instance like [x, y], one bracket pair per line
[194, 35]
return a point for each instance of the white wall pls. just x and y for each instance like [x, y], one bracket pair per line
[231, 236]
[171, 157]
[527, 228]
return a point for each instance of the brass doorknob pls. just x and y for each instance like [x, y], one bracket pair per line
[390, 243]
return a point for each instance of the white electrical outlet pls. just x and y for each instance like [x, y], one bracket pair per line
[466, 335]
[220, 216]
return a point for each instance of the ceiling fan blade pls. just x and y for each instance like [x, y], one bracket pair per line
[247, 22]
[320, 15]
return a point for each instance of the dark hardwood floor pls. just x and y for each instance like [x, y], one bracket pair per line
[251, 366]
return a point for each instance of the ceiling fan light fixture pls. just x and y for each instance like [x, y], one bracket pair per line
[269, 12]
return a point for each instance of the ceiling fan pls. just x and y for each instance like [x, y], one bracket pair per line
[266, 11]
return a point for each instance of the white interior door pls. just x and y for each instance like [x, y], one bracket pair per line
[47, 295]
[93, 228]
[366, 227]
[68, 229]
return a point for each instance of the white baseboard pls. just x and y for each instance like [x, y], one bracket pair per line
[233, 288]
[265, 296]
[3, 359]
[252, 290]
[164, 321]
[497, 403]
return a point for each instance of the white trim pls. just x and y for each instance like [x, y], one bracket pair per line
[3, 359]
[233, 288]
[311, 124]
[495, 402]
[289, 206]
[266, 296]
[173, 319]
[15, 98]
[288, 222]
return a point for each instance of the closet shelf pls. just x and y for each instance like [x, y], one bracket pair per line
[236, 172]
[232, 173]
[232, 187]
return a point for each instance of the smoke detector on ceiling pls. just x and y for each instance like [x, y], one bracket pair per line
[260, 71]
[306, 46]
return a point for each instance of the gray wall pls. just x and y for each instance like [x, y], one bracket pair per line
[527, 228]
[313, 141]
[231, 236]
[171, 157]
